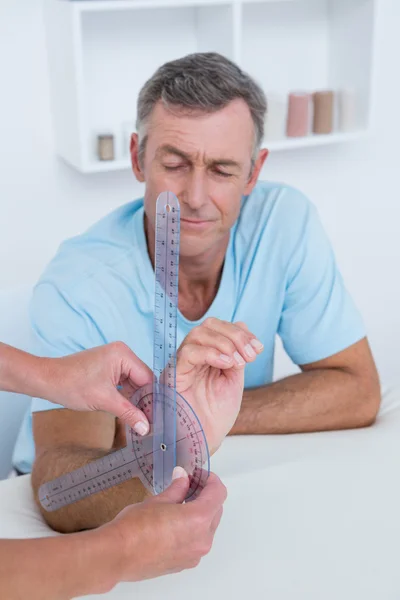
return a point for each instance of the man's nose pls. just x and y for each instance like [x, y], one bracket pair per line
[196, 190]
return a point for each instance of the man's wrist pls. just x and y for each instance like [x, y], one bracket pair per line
[239, 427]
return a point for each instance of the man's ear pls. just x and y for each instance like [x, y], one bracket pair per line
[261, 158]
[136, 166]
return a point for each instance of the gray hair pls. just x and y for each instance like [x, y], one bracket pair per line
[203, 81]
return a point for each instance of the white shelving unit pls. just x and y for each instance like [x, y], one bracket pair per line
[101, 52]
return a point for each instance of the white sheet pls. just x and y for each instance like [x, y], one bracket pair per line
[313, 516]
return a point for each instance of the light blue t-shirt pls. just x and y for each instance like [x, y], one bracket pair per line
[279, 277]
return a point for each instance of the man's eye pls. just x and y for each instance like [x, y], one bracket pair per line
[172, 168]
[223, 174]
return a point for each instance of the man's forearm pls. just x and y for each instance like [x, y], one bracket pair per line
[89, 512]
[57, 568]
[317, 400]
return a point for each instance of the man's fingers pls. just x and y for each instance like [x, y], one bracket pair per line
[131, 415]
[246, 342]
[231, 339]
[203, 336]
[242, 325]
[194, 355]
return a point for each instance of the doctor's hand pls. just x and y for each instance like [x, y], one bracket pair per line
[210, 374]
[88, 381]
[162, 535]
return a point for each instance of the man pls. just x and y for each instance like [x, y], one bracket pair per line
[95, 562]
[250, 252]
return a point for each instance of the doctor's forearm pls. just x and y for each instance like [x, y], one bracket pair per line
[58, 568]
[21, 372]
[318, 400]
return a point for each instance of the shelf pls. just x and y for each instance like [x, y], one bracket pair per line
[109, 48]
[107, 166]
[113, 5]
[273, 146]
[267, 1]
[315, 140]
[117, 5]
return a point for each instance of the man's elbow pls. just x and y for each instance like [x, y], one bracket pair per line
[90, 512]
[369, 402]
[48, 465]
[56, 520]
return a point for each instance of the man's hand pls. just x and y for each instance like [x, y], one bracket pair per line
[161, 535]
[210, 374]
[88, 381]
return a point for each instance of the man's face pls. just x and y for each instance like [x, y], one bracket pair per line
[205, 160]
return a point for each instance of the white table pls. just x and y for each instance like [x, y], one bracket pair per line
[313, 516]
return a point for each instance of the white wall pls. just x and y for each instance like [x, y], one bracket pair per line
[355, 187]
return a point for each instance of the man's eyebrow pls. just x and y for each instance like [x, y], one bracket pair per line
[167, 149]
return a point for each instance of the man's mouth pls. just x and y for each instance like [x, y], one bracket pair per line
[195, 223]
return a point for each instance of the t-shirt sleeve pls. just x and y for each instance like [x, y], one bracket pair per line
[60, 327]
[319, 318]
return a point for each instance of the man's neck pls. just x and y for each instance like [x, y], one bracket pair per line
[199, 276]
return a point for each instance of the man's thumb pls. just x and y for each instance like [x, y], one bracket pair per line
[177, 491]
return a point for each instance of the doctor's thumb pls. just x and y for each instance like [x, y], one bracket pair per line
[178, 489]
[128, 413]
